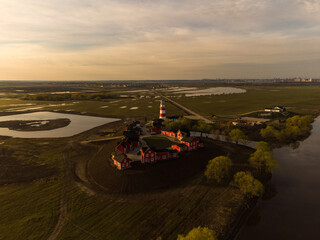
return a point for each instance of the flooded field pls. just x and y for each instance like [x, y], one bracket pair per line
[77, 125]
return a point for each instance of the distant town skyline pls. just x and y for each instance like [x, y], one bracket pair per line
[146, 40]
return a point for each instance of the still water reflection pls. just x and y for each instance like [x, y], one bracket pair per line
[294, 210]
[78, 124]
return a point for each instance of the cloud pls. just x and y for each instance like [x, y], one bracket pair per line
[103, 39]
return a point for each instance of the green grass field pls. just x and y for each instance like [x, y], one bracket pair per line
[29, 211]
[123, 107]
[158, 142]
[298, 99]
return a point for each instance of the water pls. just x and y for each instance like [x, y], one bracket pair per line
[294, 212]
[78, 124]
[211, 91]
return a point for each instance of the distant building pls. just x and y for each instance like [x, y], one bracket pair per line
[277, 109]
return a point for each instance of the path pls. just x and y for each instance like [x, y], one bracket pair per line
[187, 110]
[101, 139]
[63, 204]
[66, 187]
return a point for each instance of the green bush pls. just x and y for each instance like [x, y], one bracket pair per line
[218, 168]
[199, 233]
[237, 135]
[263, 158]
[248, 185]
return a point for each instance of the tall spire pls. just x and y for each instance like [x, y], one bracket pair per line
[162, 110]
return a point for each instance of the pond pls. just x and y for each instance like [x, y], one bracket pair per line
[78, 124]
[294, 211]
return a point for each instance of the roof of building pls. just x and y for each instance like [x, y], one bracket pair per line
[118, 156]
[169, 130]
[180, 145]
[275, 107]
[188, 139]
[122, 143]
[131, 135]
[162, 151]
[144, 149]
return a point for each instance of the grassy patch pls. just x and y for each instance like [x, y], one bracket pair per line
[29, 211]
[158, 143]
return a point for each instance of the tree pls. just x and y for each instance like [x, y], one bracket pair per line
[199, 233]
[247, 184]
[263, 146]
[263, 158]
[185, 123]
[237, 134]
[203, 127]
[269, 132]
[218, 168]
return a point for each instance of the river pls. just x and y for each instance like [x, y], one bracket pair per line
[294, 210]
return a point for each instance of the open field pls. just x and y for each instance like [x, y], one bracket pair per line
[122, 107]
[155, 210]
[32, 208]
[144, 202]
[298, 99]
[141, 102]
[29, 211]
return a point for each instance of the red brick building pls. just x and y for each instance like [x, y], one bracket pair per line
[148, 155]
[180, 135]
[155, 131]
[169, 133]
[173, 153]
[180, 147]
[122, 147]
[120, 160]
[192, 143]
[162, 155]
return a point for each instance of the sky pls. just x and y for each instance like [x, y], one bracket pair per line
[153, 39]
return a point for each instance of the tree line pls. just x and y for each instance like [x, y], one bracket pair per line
[69, 96]
[263, 160]
[218, 170]
[295, 128]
